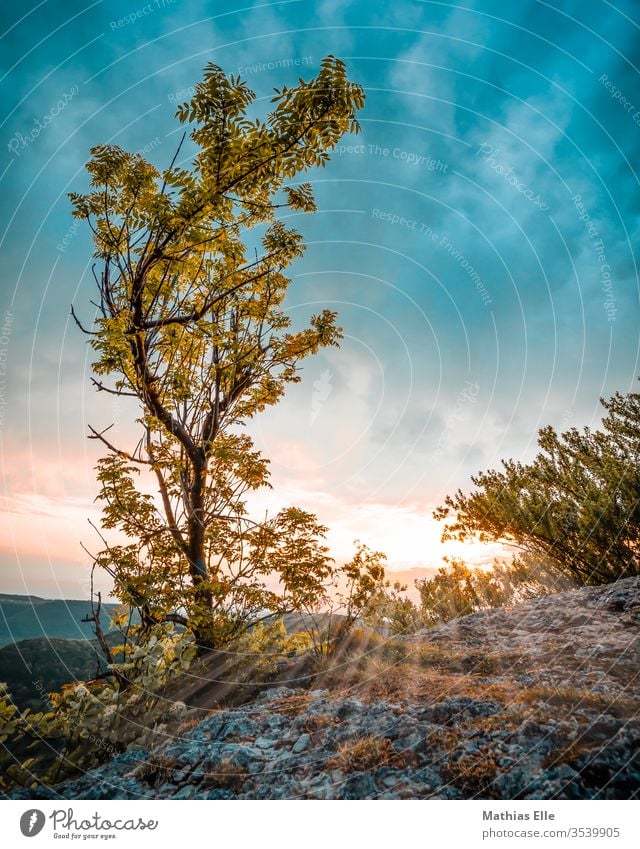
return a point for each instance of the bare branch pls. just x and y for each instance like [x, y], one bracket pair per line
[80, 325]
[120, 392]
[99, 435]
[97, 624]
[176, 618]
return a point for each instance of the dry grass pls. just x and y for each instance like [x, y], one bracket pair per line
[510, 719]
[365, 754]
[408, 682]
[226, 775]
[318, 722]
[559, 695]
[452, 660]
[190, 724]
[291, 706]
[572, 697]
[157, 770]
[473, 774]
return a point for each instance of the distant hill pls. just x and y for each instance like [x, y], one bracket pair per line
[34, 668]
[25, 617]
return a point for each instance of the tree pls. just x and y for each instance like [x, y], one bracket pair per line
[190, 326]
[576, 505]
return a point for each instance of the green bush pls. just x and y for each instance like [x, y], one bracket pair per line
[458, 590]
[91, 720]
[576, 505]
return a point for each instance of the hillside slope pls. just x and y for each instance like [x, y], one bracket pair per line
[32, 669]
[29, 617]
[535, 702]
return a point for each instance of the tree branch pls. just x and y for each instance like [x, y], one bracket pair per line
[80, 325]
[99, 435]
[120, 392]
[97, 625]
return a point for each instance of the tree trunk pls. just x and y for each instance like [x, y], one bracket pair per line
[203, 616]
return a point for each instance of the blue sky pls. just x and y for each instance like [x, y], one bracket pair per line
[478, 240]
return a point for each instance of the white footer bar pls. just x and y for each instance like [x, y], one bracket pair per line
[317, 825]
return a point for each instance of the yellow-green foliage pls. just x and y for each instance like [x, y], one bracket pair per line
[458, 590]
[259, 651]
[575, 505]
[191, 323]
[91, 720]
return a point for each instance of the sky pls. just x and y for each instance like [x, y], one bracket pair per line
[477, 240]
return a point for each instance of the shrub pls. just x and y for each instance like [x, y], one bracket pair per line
[458, 590]
[576, 505]
[259, 652]
[391, 612]
[91, 720]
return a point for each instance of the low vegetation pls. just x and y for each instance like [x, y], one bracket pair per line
[366, 753]
[87, 722]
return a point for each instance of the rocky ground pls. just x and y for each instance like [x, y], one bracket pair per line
[533, 702]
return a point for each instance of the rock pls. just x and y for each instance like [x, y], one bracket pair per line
[181, 775]
[409, 743]
[237, 726]
[301, 744]
[277, 693]
[358, 786]
[458, 708]
[186, 792]
[219, 793]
